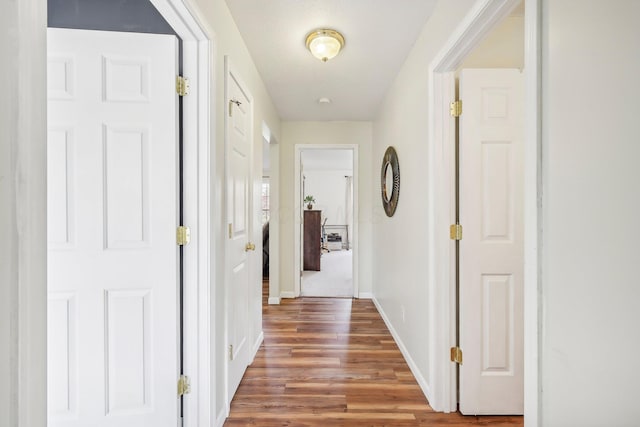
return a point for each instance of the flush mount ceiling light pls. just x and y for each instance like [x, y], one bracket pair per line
[324, 44]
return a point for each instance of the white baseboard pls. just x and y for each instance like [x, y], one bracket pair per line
[221, 418]
[287, 294]
[274, 300]
[407, 357]
[365, 295]
[256, 346]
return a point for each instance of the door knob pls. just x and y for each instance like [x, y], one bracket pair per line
[250, 247]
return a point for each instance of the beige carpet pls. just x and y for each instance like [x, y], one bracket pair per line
[335, 278]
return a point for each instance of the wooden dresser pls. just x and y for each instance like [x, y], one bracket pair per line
[312, 242]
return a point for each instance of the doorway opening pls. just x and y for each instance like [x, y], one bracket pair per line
[489, 258]
[326, 229]
[481, 20]
[327, 189]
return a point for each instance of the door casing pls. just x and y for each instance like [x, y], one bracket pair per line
[198, 47]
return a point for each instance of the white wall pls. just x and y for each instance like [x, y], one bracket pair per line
[400, 259]
[23, 214]
[502, 48]
[293, 133]
[590, 211]
[329, 187]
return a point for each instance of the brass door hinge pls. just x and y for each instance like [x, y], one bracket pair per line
[184, 385]
[230, 230]
[231, 352]
[456, 355]
[455, 109]
[455, 232]
[183, 235]
[182, 86]
[231, 102]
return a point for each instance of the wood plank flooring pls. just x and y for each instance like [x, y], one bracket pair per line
[332, 362]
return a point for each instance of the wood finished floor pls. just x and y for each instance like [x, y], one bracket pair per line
[333, 362]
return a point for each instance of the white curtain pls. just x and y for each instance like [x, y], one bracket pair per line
[349, 207]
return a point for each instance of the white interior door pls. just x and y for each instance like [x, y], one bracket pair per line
[239, 253]
[112, 216]
[491, 251]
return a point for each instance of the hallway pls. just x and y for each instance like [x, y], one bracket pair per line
[331, 361]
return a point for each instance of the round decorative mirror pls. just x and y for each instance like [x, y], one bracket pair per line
[387, 186]
[390, 181]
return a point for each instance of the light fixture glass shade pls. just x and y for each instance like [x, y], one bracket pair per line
[325, 44]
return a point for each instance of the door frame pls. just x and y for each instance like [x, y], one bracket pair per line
[481, 19]
[297, 223]
[197, 45]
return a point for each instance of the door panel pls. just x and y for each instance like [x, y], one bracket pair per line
[62, 347]
[491, 251]
[239, 157]
[113, 204]
[126, 179]
[129, 352]
[60, 178]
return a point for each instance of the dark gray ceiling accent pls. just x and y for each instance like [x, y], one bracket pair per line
[137, 16]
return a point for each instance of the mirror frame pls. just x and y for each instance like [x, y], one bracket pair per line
[390, 203]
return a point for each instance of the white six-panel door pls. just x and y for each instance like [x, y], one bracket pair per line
[491, 251]
[112, 216]
[239, 158]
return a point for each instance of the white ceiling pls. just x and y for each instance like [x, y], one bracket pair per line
[378, 36]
